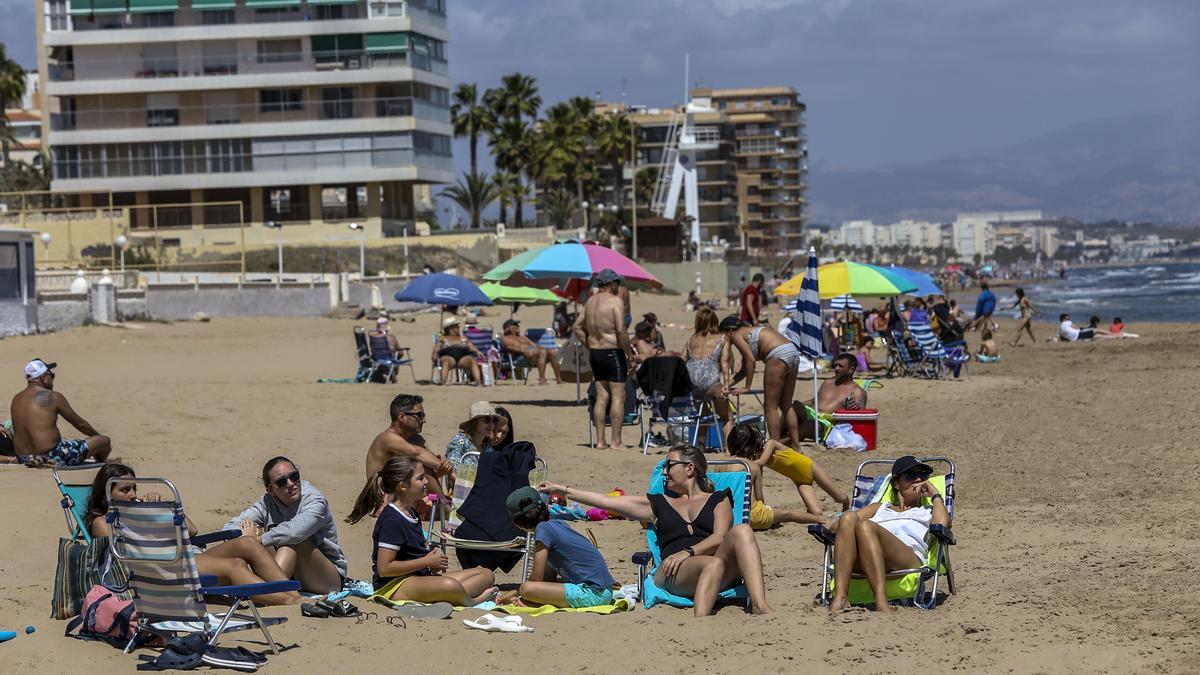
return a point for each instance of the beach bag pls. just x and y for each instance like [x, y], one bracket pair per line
[843, 436]
[104, 617]
[82, 565]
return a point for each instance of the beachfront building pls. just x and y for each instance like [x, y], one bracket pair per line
[772, 165]
[311, 114]
[916, 234]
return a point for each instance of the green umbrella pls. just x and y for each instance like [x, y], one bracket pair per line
[519, 295]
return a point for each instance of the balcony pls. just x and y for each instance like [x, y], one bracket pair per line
[85, 17]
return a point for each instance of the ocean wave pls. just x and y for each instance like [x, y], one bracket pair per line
[1132, 271]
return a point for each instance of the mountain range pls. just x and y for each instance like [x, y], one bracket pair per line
[1142, 167]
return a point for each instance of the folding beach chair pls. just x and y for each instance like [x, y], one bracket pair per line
[444, 528]
[384, 363]
[485, 340]
[736, 478]
[931, 354]
[75, 485]
[686, 416]
[909, 363]
[151, 540]
[918, 585]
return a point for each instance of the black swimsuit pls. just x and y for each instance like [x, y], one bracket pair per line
[675, 533]
[455, 351]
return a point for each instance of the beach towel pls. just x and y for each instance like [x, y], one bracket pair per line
[616, 606]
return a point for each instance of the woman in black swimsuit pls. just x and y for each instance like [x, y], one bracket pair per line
[703, 553]
[453, 350]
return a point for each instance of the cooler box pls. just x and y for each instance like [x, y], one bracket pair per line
[864, 422]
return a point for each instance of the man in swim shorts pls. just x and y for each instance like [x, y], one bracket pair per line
[601, 327]
[840, 392]
[35, 411]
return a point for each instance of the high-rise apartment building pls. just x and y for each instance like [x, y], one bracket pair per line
[307, 112]
[772, 165]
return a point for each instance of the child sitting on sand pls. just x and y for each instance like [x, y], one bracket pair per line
[403, 565]
[988, 352]
[561, 552]
[746, 441]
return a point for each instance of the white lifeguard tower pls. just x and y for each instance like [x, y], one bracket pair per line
[18, 283]
[677, 172]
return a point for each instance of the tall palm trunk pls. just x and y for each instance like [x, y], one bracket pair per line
[519, 204]
[474, 141]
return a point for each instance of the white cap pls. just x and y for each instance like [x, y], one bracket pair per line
[382, 319]
[37, 368]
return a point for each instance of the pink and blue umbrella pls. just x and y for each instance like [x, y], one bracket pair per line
[558, 264]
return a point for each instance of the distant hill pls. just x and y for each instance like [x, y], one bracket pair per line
[1136, 167]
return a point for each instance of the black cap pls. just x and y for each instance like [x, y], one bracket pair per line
[522, 501]
[908, 463]
[731, 322]
[607, 276]
[511, 322]
[650, 316]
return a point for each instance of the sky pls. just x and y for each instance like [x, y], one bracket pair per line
[886, 82]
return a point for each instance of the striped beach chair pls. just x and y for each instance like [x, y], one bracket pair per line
[151, 540]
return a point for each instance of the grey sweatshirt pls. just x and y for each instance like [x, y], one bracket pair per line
[308, 519]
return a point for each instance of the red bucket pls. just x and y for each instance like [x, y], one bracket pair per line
[864, 422]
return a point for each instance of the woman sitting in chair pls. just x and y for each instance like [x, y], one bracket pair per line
[292, 520]
[234, 562]
[453, 350]
[887, 536]
[703, 552]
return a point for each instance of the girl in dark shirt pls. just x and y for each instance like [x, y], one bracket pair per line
[703, 552]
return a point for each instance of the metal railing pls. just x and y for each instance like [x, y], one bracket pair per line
[153, 67]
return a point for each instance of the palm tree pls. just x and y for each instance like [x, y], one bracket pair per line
[516, 99]
[613, 141]
[471, 118]
[559, 206]
[645, 182]
[12, 88]
[473, 196]
[510, 145]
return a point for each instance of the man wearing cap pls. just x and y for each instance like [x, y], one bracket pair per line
[35, 411]
[601, 327]
[518, 345]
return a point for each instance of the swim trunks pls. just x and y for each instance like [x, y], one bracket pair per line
[586, 595]
[794, 465]
[609, 365]
[761, 516]
[71, 453]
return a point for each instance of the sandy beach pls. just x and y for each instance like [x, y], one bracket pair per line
[1077, 463]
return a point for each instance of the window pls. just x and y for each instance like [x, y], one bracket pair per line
[280, 51]
[334, 12]
[335, 48]
[433, 143]
[273, 14]
[162, 110]
[333, 203]
[221, 107]
[10, 271]
[157, 19]
[220, 58]
[337, 103]
[158, 59]
[281, 100]
[392, 100]
[217, 17]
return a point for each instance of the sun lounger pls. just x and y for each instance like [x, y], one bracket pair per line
[918, 585]
[151, 539]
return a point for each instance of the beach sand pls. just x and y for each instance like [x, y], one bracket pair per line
[1077, 484]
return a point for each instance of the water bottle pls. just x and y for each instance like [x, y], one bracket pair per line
[437, 375]
[486, 368]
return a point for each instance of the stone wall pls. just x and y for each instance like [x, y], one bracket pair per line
[16, 318]
[174, 302]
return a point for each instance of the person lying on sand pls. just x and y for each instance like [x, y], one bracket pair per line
[747, 442]
[703, 553]
[234, 562]
[35, 411]
[568, 571]
[882, 537]
[403, 565]
[293, 522]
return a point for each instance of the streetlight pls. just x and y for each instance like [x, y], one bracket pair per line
[587, 216]
[362, 250]
[279, 241]
[46, 238]
[122, 242]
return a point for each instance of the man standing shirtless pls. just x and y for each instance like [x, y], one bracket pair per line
[403, 438]
[840, 392]
[602, 328]
[35, 412]
[513, 342]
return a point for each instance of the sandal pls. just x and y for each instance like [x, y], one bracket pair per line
[342, 609]
[314, 610]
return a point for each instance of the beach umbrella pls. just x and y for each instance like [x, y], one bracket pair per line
[850, 278]
[519, 295]
[557, 264]
[443, 289]
[925, 285]
[843, 303]
[804, 330]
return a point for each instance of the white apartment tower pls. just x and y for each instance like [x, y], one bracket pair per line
[308, 112]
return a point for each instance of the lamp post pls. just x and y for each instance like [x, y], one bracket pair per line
[46, 239]
[122, 242]
[276, 225]
[362, 250]
[587, 217]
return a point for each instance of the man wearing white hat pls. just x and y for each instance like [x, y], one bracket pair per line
[35, 411]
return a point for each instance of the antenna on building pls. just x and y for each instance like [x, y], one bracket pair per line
[687, 58]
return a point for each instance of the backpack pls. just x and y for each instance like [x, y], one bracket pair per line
[104, 617]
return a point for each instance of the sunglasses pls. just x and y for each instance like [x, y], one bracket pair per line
[673, 462]
[419, 415]
[283, 480]
[915, 475]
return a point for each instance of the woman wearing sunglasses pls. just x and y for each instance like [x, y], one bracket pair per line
[887, 536]
[292, 520]
[703, 552]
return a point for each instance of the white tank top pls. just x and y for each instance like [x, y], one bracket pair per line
[910, 526]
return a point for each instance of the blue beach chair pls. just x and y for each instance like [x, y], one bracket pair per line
[737, 481]
[151, 540]
[384, 363]
[75, 485]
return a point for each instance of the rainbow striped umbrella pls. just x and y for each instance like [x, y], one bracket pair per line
[851, 278]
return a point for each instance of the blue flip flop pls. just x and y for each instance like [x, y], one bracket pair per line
[6, 635]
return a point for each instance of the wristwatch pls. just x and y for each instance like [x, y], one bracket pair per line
[691, 551]
[936, 495]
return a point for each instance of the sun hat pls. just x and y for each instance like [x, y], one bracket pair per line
[37, 368]
[607, 276]
[381, 320]
[478, 409]
[523, 501]
[450, 321]
[908, 463]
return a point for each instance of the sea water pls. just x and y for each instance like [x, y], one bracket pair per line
[1148, 292]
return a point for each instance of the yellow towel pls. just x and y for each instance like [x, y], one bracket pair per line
[617, 606]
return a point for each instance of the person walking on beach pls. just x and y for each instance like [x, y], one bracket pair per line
[751, 301]
[984, 307]
[35, 411]
[1027, 309]
[601, 327]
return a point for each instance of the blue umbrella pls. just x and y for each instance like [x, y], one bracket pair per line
[443, 289]
[924, 282]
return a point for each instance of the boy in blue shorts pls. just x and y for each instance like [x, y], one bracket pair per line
[568, 571]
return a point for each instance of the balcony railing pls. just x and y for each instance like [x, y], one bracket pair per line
[242, 64]
[58, 19]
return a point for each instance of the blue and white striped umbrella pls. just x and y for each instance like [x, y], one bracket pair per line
[845, 302]
[805, 327]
